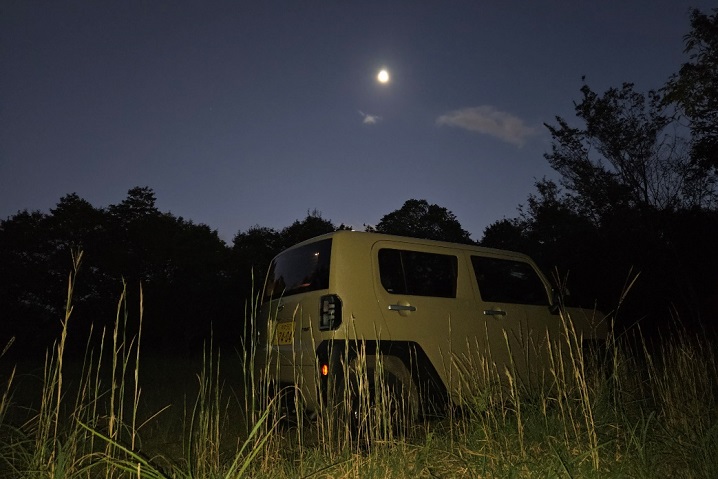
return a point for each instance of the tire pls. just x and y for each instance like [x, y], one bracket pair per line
[383, 401]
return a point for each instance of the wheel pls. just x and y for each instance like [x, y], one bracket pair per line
[383, 401]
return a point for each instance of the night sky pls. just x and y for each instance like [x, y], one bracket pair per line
[239, 113]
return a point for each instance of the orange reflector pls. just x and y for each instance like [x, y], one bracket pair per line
[325, 369]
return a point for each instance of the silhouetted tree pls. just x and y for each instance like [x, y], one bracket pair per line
[189, 281]
[37, 255]
[419, 219]
[139, 205]
[29, 304]
[625, 156]
[184, 269]
[628, 173]
[189, 287]
[312, 225]
[76, 223]
[253, 250]
[628, 183]
[694, 89]
[137, 229]
[506, 234]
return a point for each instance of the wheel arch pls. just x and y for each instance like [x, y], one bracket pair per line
[337, 354]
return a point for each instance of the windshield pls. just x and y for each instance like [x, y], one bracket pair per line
[299, 270]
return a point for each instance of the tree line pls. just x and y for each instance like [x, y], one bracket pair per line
[194, 285]
[635, 207]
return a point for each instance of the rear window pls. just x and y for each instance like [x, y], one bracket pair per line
[417, 273]
[299, 270]
[508, 281]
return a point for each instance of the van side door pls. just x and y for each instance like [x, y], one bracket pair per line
[422, 290]
[514, 313]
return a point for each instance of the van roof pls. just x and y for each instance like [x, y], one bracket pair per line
[366, 237]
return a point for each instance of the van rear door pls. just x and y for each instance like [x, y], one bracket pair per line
[297, 279]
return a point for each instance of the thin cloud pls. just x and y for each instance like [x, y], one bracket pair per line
[369, 119]
[488, 120]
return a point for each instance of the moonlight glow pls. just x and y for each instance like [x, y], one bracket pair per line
[383, 76]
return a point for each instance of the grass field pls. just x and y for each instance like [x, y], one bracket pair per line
[120, 412]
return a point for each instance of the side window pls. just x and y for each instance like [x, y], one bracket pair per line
[417, 273]
[508, 281]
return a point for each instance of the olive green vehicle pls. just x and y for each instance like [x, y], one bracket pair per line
[437, 321]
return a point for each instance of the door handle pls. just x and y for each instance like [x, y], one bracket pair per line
[401, 307]
[494, 312]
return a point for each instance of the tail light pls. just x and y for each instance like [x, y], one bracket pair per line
[330, 312]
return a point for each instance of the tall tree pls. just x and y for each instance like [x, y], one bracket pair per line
[75, 221]
[30, 304]
[36, 257]
[253, 250]
[312, 225]
[506, 233]
[628, 180]
[419, 219]
[139, 204]
[625, 156]
[185, 269]
[138, 232]
[75, 225]
[694, 89]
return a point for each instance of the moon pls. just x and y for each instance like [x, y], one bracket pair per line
[383, 76]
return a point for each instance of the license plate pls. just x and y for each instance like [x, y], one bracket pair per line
[284, 333]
